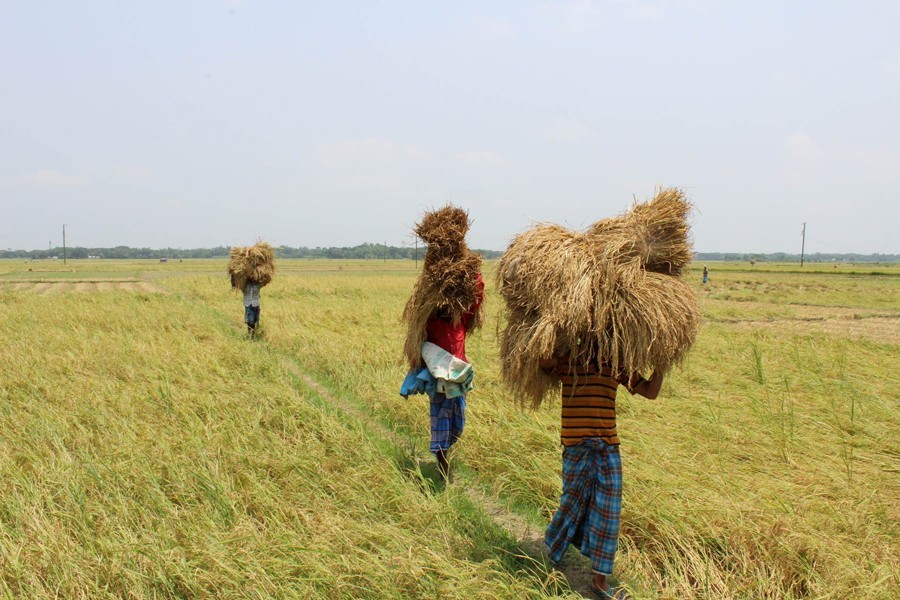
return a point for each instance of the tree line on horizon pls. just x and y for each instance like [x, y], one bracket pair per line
[381, 251]
[362, 251]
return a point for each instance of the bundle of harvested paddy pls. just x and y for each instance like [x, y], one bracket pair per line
[656, 233]
[251, 263]
[608, 295]
[444, 230]
[446, 286]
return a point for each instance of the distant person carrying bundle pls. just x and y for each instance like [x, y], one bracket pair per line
[586, 313]
[251, 305]
[251, 269]
[446, 304]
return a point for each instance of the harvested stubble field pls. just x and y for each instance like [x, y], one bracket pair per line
[153, 450]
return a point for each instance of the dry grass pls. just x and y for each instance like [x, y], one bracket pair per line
[152, 451]
[764, 470]
[611, 295]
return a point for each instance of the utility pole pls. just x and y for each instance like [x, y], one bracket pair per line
[385, 251]
[802, 244]
[64, 243]
[417, 254]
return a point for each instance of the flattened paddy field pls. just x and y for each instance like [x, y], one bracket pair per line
[151, 449]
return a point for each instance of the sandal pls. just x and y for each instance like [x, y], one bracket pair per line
[613, 593]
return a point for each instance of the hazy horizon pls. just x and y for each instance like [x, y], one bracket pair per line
[221, 122]
[420, 246]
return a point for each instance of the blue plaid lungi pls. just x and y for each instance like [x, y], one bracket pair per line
[590, 505]
[448, 418]
[251, 315]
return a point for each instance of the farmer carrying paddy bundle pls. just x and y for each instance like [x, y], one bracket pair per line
[588, 312]
[251, 269]
[445, 305]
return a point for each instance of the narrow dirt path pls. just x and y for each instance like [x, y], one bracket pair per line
[529, 537]
[382, 431]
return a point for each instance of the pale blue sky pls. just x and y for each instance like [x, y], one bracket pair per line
[193, 124]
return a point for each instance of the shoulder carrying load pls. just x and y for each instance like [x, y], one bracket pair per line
[447, 283]
[252, 263]
[610, 294]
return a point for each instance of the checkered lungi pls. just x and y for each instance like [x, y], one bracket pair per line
[251, 315]
[448, 418]
[590, 505]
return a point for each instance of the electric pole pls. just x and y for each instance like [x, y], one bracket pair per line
[802, 244]
[64, 243]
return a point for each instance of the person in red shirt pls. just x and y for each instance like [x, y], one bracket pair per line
[452, 338]
[448, 415]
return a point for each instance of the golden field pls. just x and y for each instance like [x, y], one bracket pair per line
[152, 449]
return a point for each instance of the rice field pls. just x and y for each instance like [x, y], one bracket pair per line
[152, 449]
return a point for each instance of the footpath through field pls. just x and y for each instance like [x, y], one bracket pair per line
[422, 471]
[528, 535]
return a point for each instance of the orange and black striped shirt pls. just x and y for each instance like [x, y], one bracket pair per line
[589, 403]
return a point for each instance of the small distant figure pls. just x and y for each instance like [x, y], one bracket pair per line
[251, 305]
[705, 275]
[251, 269]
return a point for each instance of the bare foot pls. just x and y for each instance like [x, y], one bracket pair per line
[599, 583]
[443, 465]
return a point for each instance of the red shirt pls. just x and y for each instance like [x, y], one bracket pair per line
[453, 338]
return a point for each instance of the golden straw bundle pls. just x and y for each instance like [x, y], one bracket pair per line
[446, 286]
[610, 294]
[656, 233]
[252, 263]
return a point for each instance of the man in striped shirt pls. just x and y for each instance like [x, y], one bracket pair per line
[591, 501]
